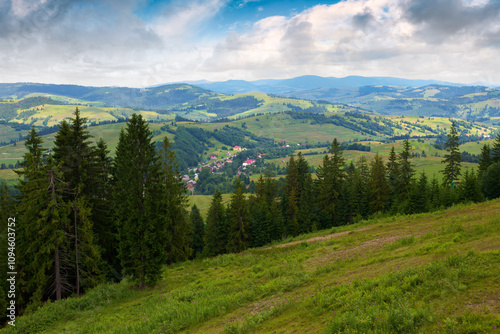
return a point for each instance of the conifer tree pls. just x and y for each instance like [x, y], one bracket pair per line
[238, 217]
[198, 231]
[392, 176]
[434, 202]
[330, 177]
[179, 228]
[139, 200]
[305, 219]
[216, 229]
[484, 159]
[453, 158]
[76, 156]
[259, 208]
[45, 257]
[291, 198]
[104, 227]
[469, 189]
[418, 199]
[405, 171]
[491, 181]
[495, 150]
[379, 186]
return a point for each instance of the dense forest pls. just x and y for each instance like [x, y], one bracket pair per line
[84, 218]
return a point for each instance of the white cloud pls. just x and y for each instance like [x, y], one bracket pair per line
[105, 43]
[366, 37]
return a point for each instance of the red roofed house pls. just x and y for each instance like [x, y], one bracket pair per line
[237, 148]
[249, 162]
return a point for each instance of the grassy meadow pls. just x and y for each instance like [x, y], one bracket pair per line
[427, 273]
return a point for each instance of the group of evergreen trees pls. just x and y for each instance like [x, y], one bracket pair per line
[83, 218]
[344, 193]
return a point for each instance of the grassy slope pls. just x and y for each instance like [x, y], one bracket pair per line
[430, 273]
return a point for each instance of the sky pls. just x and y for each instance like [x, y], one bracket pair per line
[141, 43]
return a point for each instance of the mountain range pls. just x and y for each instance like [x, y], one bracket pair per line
[310, 82]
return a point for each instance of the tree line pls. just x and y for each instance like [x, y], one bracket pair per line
[84, 218]
[342, 194]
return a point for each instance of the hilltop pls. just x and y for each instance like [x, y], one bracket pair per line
[425, 273]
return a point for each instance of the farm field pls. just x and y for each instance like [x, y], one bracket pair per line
[427, 273]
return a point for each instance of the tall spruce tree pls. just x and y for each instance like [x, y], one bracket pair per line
[305, 219]
[259, 222]
[216, 229]
[393, 176]
[75, 154]
[406, 171]
[418, 198]
[379, 186]
[179, 228]
[238, 218]
[45, 256]
[469, 189]
[453, 158]
[484, 159]
[198, 232]
[291, 196]
[330, 177]
[495, 150]
[139, 198]
[105, 229]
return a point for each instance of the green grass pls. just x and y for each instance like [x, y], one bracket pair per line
[427, 273]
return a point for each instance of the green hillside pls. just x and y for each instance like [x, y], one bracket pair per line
[466, 102]
[289, 128]
[428, 273]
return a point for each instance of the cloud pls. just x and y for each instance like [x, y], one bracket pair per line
[439, 20]
[411, 38]
[106, 42]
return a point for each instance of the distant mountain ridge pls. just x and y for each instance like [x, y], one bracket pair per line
[310, 82]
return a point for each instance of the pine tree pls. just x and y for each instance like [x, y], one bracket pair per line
[104, 227]
[139, 198]
[453, 158]
[291, 198]
[238, 217]
[179, 228]
[379, 186]
[330, 177]
[469, 189]
[495, 150]
[405, 171]
[484, 159]
[418, 198]
[393, 176]
[305, 219]
[259, 223]
[198, 232]
[76, 156]
[434, 201]
[216, 229]
[45, 257]
[491, 181]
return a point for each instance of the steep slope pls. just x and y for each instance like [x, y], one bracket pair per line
[432, 273]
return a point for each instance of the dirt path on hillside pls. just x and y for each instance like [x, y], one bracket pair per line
[323, 238]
